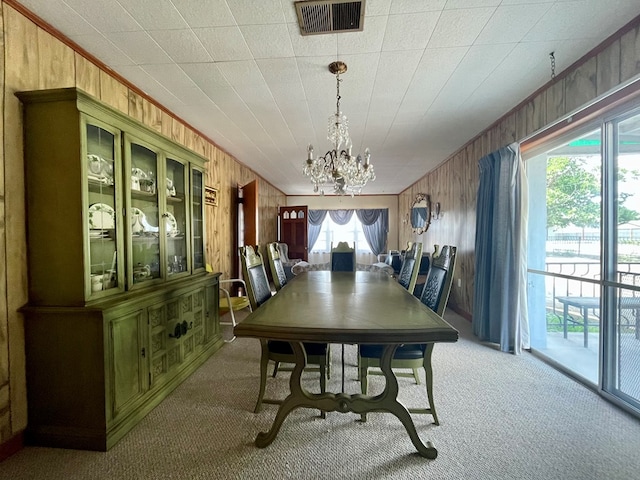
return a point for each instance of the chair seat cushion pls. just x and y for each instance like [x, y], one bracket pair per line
[237, 303]
[403, 352]
[284, 348]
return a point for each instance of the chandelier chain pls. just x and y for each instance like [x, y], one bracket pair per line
[552, 57]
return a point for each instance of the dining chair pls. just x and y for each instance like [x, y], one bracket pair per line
[230, 304]
[276, 265]
[410, 266]
[435, 295]
[343, 258]
[277, 351]
[287, 262]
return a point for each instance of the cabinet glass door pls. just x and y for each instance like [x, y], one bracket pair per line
[197, 218]
[175, 217]
[143, 214]
[101, 155]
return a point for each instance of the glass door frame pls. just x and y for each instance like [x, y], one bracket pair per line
[606, 121]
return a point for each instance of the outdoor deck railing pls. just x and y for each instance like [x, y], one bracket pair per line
[582, 279]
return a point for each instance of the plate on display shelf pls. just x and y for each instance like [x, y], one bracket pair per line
[139, 173]
[172, 225]
[99, 234]
[100, 169]
[95, 164]
[139, 223]
[101, 217]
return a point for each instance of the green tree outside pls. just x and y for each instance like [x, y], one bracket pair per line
[573, 193]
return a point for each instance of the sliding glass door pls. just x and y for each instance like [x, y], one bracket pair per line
[621, 373]
[584, 255]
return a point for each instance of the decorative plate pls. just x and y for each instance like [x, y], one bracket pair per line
[102, 217]
[107, 167]
[172, 225]
[138, 173]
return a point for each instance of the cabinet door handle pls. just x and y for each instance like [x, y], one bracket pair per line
[177, 331]
[143, 352]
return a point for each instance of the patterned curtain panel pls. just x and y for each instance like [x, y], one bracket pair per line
[500, 287]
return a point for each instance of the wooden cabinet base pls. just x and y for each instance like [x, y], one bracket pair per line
[92, 372]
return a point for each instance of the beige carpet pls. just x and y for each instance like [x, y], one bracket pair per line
[502, 417]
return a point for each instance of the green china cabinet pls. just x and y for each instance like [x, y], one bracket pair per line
[121, 308]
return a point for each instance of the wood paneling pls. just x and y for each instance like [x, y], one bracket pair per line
[87, 76]
[35, 60]
[455, 183]
[32, 57]
[608, 68]
[136, 106]
[114, 93]
[630, 54]
[580, 85]
[56, 62]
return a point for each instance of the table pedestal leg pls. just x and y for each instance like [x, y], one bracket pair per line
[341, 402]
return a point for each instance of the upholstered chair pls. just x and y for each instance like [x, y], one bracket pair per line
[435, 296]
[410, 266]
[287, 262]
[276, 266]
[274, 350]
[343, 258]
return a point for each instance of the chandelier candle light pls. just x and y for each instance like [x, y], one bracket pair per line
[347, 173]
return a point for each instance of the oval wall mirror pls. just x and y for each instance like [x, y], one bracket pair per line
[420, 214]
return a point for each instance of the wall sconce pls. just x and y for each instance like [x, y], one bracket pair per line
[436, 211]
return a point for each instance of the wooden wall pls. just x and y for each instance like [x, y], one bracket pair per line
[33, 59]
[455, 182]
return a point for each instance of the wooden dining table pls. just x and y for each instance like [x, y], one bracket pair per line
[346, 308]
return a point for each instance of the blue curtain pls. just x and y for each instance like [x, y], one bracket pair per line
[316, 217]
[500, 288]
[341, 217]
[375, 224]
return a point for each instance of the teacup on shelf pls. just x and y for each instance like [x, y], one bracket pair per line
[96, 282]
[171, 189]
[147, 185]
[141, 271]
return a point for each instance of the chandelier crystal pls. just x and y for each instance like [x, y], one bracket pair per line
[338, 168]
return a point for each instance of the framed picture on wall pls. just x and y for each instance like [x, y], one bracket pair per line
[211, 196]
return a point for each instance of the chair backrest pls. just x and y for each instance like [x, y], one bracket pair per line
[283, 248]
[394, 258]
[410, 266]
[275, 264]
[343, 258]
[437, 287]
[255, 276]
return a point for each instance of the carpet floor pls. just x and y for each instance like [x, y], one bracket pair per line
[501, 417]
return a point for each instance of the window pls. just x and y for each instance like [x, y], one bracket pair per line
[350, 233]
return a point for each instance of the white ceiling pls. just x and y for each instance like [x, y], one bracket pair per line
[424, 76]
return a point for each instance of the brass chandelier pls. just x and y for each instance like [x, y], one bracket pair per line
[338, 168]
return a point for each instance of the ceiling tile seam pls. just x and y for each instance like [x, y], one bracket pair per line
[549, 5]
[479, 84]
[284, 120]
[91, 23]
[435, 97]
[377, 66]
[413, 76]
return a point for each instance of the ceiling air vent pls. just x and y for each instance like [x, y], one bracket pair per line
[330, 16]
